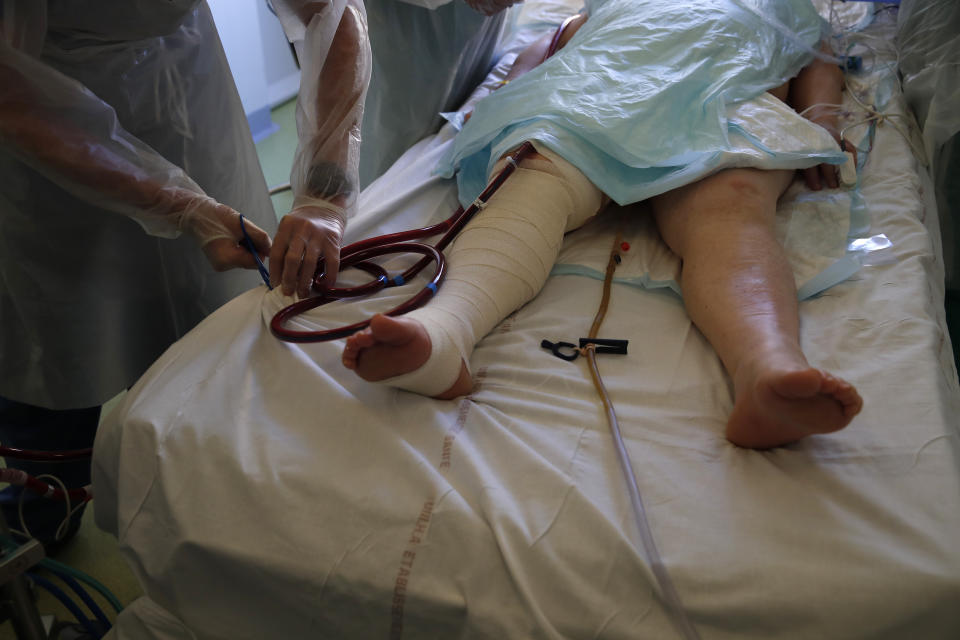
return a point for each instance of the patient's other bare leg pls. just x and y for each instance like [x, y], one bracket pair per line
[497, 263]
[739, 291]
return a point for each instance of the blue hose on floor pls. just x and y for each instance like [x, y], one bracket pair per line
[85, 597]
[65, 600]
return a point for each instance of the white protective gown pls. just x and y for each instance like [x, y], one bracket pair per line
[88, 299]
[425, 61]
[392, 65]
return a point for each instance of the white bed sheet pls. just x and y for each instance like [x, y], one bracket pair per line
[259, 490]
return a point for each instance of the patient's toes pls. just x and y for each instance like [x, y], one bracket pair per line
[356, 343]
[387, 347]
[848, 396]
[828, 383]
[362, 339]
[780, 407]
[349, 356]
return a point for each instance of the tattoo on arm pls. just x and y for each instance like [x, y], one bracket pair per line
[327, 180]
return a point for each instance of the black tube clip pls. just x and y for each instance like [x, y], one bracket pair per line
[569, 352]
[556, 349]
[605, 345]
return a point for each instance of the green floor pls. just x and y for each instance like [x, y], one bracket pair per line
[93, 551]
[276, 154]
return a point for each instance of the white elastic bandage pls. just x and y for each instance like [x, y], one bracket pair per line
[441, 369]
[499, 262]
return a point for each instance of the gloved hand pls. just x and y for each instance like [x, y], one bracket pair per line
[217, 227]
[490, 7]
[311, 232]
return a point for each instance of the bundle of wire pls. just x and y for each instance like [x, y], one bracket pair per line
[855, 50]
[51, 487]
[74, 499]
[100, 623]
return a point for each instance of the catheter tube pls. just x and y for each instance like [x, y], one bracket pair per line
[668, 592]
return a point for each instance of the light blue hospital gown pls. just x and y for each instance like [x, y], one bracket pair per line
[640, 99]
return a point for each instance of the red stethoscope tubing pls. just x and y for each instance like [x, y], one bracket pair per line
[357, 255]
[382, 281]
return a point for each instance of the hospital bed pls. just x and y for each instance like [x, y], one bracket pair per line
[260, 490]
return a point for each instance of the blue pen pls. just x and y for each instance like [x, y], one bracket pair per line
[253, 250]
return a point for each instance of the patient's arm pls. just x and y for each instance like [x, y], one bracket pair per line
[536, 52]
[818, 85]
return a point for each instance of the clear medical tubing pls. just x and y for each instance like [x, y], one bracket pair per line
[668, 592]
[73, 138]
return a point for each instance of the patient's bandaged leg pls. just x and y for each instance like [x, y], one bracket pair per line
[499, 262]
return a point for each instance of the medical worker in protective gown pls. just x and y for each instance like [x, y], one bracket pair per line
[128, 108]
[126, 160]
[380, 70]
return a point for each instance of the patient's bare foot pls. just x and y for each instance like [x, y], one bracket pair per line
[775, 407]
[393, 346]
